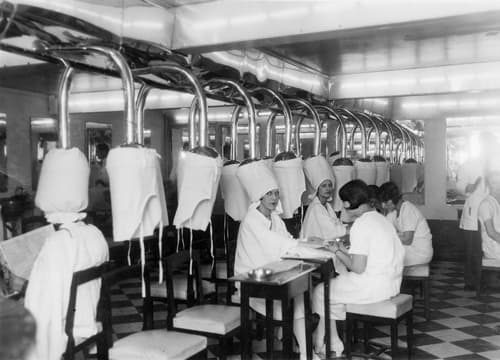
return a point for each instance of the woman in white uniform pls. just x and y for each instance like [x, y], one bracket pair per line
[410, 224]
[263, 237]
[320, 219]
[375, 261]
[489, 217]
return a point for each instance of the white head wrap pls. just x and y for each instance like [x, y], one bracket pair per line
[291, 182]
[235, 198]
[63, 185]
[318, 170]
[257, 179]
[366, 171]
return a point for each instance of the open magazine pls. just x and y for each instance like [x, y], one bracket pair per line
[19, 253]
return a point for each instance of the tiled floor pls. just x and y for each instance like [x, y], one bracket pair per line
[462, 326]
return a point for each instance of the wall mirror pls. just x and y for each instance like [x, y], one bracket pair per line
[468, 141]
[43, 138]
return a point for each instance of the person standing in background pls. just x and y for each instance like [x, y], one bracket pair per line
[471, 183]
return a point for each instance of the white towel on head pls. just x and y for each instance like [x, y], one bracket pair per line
[236, 200]
[366, 171]
[343, 174]
[197, 181]
[317, 170]
[137, 193]
[257, 179]
[63, 185]
[292, 184]
[409, 177]
[396, 175]
[382, 172]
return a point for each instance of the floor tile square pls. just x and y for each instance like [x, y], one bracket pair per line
[450, 335]
[476, 345]
[467, 357]
[492, 355]
[460, 311]
[479, 331]
[495, 339]
[444, 350]
[481, 318]
[463, 302]
[455, 322]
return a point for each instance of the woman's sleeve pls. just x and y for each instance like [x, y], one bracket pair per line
[359, 243]
[409, 218]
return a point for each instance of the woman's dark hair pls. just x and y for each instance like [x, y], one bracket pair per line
[356, 192]
[389, 191]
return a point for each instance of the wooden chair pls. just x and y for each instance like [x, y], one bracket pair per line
[212, 320]
[388, 312]
[159, 344]
[32, 223]
[76, 345]
[146, 345]
[419, 275]
[491, 265]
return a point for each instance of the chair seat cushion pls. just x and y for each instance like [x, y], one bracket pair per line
[180, 288]
[391, 309]
[157, 345]
[215, 319]
[491, 262]
[220, 270]
[421, 270]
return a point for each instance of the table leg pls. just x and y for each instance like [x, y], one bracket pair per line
[326, 288]
[245, 339]
[287, 317]
[269, 329]
[307, 319]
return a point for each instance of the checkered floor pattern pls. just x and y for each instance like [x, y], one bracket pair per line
[462, 326]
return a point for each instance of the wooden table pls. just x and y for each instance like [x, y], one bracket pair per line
[282, 286]
[326, 269]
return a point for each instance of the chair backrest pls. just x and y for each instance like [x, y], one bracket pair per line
[79, 278]
[187, 264]
[32, 223]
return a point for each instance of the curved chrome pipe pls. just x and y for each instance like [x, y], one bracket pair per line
[235, 116]
[252, 126]
[317, 122]
[331, 112]
[201, 108]
[398, 153]
[62, 106]
[403, 138]
[139, 107]
[374, 127]
[269, 130]
[193, 111]
[287, 113]
[357, 121]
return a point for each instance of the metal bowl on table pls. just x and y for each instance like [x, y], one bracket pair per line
[260, 274]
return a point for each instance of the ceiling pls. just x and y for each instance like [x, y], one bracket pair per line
[364, 41]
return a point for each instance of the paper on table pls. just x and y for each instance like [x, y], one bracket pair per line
[282, 265]
[19, 253]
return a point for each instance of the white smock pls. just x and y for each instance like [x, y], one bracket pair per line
[262, 241]
[411, 219]
[290, 176]
[382, 172]
[468, 173]
[375, 237]
[137, 193]
[197, 181]
[396, 175]
[489, 209]
[366, 171]
[343, 174]
[409, 177]
[321, 221]
[236, 200]
[74, 247]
